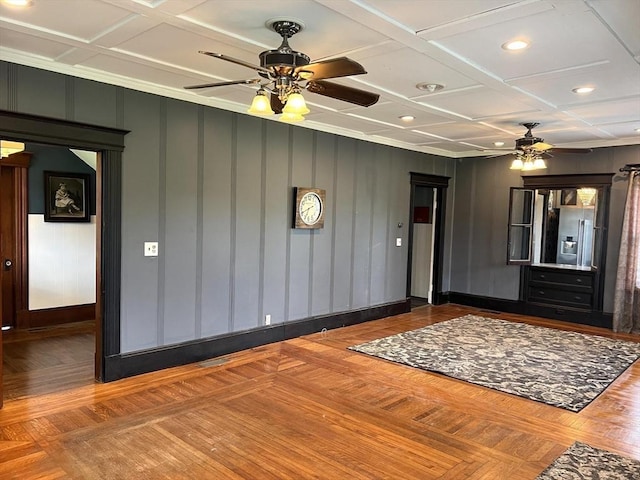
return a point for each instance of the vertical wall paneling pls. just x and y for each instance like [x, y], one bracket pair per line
[219, 148]
[199, 222]
[180, 200]
[380, 226]
[247, 222]
[162, 220]
[310, 281]
[34, 99]
[363, 212]
[141, 220]
[97, 103]
[399, 214]
[277, 220]
[321, 264]
[302, 173]
[344, 201]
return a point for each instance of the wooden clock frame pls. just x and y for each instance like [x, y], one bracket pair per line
[298, 194]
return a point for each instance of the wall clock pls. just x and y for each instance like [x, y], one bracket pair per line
[308, 207]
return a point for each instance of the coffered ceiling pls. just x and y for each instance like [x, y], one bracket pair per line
[152, 45]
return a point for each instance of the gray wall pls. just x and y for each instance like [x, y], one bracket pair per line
[479, 239]
[215, 189]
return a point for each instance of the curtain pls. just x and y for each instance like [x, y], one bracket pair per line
[626, 309]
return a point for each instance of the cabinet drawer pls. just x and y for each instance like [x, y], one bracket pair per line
[564, 278]
[556, 296]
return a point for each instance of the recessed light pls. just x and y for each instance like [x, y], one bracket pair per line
[429, 87]
[17, 3]
[637, 130]
[498, 144]
[515, 45]
[407, 118]
[583, 90]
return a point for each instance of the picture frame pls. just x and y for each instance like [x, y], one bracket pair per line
[66, 197]
[569, 197]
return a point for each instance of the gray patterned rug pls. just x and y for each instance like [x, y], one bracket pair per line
[559, 368]
[583, 462]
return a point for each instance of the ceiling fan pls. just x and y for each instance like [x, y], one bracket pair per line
[530, 150]
[283, 73]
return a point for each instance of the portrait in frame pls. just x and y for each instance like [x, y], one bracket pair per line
[66, 197]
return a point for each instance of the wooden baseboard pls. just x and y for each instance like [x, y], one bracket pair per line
[596, 319]
[135, 363]
[55, 316]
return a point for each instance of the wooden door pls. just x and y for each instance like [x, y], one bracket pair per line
[7, 246]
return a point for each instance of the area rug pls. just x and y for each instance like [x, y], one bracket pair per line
[556, 367]
[584, 462]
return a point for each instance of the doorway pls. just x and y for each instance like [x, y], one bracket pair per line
[49, 271]
[426, 239]
[109, 143]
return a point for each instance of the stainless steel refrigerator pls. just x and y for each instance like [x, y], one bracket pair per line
[575, 234]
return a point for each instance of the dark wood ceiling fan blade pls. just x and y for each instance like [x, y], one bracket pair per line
[571, 150]
[237, 61]
[344, 93]
[223, 84]
[276, 104]
[334, 68]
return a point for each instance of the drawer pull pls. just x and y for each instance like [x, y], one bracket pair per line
[542, 276]
[578, 280]
[541, 292]
[577, 298]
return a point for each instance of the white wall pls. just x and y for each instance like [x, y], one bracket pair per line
[62, 263]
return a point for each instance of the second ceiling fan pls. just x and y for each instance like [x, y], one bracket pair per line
[284, 72]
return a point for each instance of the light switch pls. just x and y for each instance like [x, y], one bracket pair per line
[398, 242]
[150, 249]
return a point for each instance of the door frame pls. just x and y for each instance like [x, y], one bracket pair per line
[440, 184]
[109, 143]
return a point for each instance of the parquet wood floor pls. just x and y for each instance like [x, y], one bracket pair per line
[307, 408]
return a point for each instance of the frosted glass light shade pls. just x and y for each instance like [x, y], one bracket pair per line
[517, 164]
[261, 105]
[296, 105]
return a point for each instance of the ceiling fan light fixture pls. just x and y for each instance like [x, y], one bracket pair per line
[261, 104]
[515, 45]
[517, 164]
[295, 105]
[539, 164]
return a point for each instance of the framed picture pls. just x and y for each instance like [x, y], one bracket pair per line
[569, 197]
[66, 197]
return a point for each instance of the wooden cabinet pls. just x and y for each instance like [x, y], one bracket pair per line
[560, 287]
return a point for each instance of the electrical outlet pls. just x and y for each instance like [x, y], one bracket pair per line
[267, 319]
[150, 249]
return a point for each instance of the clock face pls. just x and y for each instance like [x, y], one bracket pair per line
[310, 208]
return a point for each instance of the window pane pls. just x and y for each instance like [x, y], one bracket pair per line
[521, 206]
[520, 237]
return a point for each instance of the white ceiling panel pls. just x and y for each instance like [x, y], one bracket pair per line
[478, 103]
[83, 19]
[32, 44]
[558, 40]
[610, 80]
[152, 45]
[425, 15]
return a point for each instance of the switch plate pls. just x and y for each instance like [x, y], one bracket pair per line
[150, 249]
[267, 319]
[398, 242]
